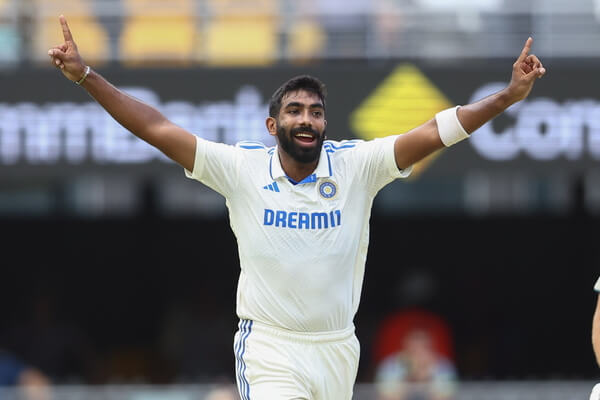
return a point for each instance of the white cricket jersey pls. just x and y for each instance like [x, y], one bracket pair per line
[303, 246]
[597, 286]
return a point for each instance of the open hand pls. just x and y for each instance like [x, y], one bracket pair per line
[66, 56]
[526, 70]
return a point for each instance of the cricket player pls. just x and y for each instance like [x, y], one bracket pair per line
[596, 339]
[300, 213]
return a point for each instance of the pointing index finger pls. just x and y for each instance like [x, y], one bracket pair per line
[525, 50]
[65, 29]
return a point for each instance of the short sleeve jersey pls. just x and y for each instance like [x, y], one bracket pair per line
[302, 246]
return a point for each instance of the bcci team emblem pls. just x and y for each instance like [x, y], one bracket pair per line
[327, 189]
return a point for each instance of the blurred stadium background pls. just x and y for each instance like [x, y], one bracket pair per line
[119, 275]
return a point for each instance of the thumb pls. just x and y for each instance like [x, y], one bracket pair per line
[535, 73]
[57, 53]
[541, 72]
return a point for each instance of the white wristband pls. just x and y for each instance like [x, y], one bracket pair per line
[449, 127]
[597, 286]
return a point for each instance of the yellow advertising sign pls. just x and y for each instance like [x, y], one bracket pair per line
[403, 101]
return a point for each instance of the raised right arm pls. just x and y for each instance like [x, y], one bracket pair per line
[142, 120]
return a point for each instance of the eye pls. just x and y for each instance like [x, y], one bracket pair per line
[293, 111]
[317, 114]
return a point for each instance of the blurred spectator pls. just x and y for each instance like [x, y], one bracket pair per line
[222, 393]
[33, 384]
[417, 371]
[413, 351]
[392, 332]
[58, 347]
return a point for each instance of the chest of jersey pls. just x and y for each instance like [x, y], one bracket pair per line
[307, 206]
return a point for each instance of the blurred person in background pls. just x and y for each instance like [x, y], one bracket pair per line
[224, 392]
[414, 302]
[417, 371]
[596, 339]
[51, 341]
[28, 381]
[300, 216]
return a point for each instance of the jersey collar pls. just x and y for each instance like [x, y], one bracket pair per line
[323, 167]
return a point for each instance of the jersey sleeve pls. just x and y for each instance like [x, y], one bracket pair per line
[376, 163]
[217, 165]
[597, 286]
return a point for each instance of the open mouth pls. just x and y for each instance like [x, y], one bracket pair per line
[305, 137]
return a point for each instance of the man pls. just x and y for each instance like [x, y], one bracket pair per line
[29, 382]
[417, 371]
[300, 214]
[596, 339]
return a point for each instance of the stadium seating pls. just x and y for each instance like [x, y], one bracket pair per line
[90, 36]
[159, 32]
[241, 32]
[305, 41]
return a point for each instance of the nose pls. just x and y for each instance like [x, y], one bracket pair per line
[305, 118]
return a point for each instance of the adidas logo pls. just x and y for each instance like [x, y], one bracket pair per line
[272, 187]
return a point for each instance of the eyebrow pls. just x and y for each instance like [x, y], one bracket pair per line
[298, 104]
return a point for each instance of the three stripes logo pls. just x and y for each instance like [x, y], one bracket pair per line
[273, 187]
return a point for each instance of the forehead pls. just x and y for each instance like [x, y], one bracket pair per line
[301, 96]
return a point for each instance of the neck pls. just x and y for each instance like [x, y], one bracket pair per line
[295, 169]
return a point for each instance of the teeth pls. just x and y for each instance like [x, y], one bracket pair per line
[307, 135]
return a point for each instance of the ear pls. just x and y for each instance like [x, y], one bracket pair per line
[271, 126]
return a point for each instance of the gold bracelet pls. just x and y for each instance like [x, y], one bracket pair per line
[85, 75]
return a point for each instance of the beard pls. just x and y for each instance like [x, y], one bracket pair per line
[300, 154]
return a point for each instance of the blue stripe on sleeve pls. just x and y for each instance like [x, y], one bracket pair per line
[343, 146]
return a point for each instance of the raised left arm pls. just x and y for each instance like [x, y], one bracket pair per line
[453, 125]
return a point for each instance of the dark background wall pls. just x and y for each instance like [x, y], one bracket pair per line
[153, 298]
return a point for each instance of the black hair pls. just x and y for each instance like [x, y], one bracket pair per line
[302, 82]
